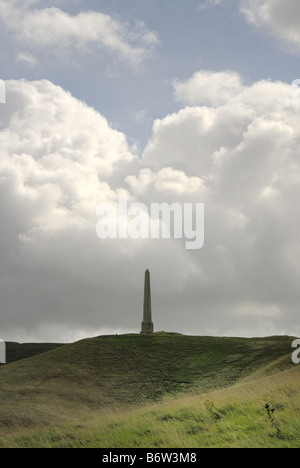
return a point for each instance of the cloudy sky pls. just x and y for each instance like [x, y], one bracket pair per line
[186, 101]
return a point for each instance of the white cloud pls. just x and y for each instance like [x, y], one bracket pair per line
[165, 180]
[56, 29]
[208, 87]
[280, 17]
[57, 155]
[201, 138]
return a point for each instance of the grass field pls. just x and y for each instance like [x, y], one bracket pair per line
[164, 390]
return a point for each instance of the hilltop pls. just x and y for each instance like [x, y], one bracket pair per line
[114, 373]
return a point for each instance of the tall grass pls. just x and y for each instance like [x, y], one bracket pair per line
[235, 417]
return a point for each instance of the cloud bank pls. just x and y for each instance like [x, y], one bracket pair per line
[234, 149]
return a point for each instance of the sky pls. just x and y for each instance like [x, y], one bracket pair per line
[160, 101]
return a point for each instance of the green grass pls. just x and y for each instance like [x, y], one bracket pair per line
[150, 391]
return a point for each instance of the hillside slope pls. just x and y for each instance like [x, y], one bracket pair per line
[104, 373]
[233, 417]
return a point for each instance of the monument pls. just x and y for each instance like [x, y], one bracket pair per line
[147, 324]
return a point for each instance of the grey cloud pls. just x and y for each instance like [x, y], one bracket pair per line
[281, 18]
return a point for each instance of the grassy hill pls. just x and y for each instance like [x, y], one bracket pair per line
[54, 398]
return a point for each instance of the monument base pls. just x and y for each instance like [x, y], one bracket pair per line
[147, 327]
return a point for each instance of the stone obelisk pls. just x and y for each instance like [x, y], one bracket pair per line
[147, 324]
